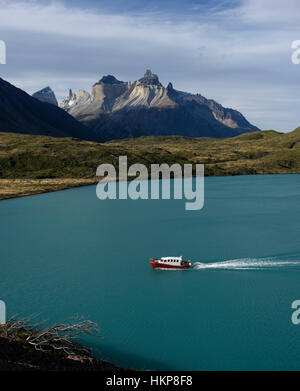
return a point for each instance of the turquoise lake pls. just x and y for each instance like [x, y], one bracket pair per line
[67, 253]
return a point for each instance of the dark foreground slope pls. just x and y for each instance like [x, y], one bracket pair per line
[23, 347]
[17, 356]
[21, 113]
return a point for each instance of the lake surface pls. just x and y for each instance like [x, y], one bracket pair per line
[69, 253]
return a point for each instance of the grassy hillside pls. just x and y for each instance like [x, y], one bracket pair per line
[30, 156]
[266, 152]
[58, 160]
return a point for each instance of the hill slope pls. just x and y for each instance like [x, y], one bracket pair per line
[264, 152]
[21, 113]
[36, 164]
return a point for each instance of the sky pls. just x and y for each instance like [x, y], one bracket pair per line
[237, 52]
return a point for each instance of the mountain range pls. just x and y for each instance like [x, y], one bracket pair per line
[115, 110]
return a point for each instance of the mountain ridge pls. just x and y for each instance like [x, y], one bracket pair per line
[22, 113]
[116, 109]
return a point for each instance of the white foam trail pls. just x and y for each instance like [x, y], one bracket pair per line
[246, 264]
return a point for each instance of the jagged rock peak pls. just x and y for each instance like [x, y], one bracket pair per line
[109, 79]
[150, 79]
[170, 86]
[46, 95]
[72, 94]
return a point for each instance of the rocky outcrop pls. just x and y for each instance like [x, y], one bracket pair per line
[46, 95]
[81, 98]
[115, 109]
[150, 79]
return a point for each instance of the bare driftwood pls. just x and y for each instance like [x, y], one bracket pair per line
[60, 337]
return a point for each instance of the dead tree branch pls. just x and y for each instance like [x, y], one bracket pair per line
[59, 337]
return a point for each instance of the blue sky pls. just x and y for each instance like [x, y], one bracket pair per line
[237, 52]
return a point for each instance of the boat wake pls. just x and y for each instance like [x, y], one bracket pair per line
[249, 264]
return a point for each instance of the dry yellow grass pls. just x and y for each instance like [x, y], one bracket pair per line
[12, 188]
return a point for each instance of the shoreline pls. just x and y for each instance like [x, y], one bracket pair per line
[41, 186]
[33, 164]
[51, 185]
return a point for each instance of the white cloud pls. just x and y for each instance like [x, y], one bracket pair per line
[274, 13]
[239, 56]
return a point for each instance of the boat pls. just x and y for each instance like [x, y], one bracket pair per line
[170, 263]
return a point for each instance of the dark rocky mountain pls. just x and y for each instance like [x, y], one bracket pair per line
[46, 95]
[115, 109]
[21, 113]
